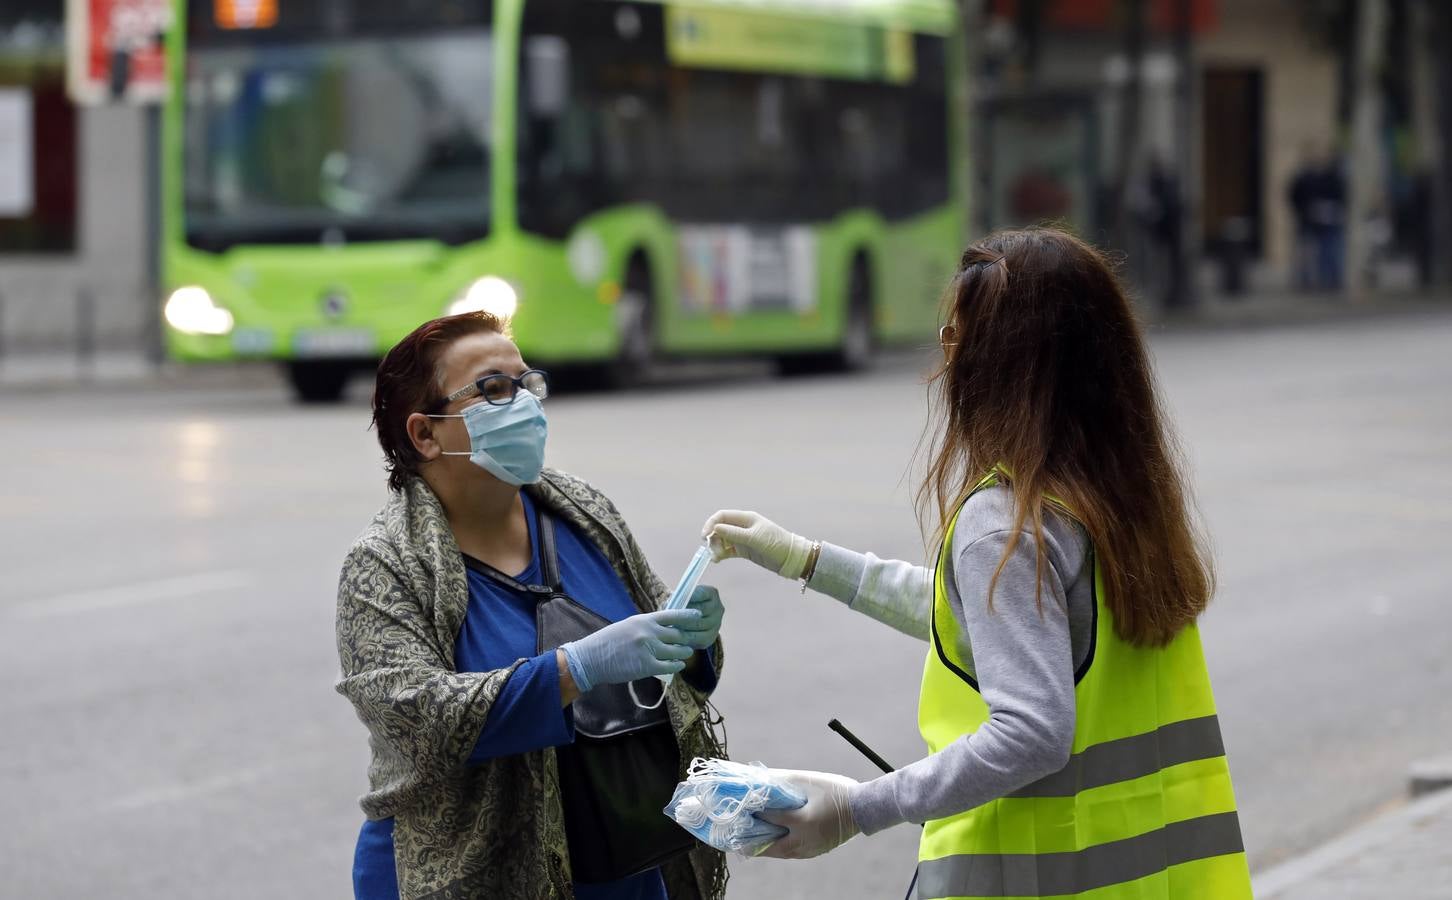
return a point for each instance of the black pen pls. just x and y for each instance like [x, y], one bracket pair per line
[861, 747]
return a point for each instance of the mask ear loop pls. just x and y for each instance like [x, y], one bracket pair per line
[630, 686]
[691, 812]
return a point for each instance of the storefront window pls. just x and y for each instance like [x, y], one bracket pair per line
[37, 131]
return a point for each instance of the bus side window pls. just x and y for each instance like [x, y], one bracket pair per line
[547, 58]
[591, 138]
[928, 105]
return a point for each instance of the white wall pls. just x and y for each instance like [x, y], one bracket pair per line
[38, 292]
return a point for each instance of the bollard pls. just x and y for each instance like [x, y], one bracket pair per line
[151, 340]
[85, 333]
[1235, 235]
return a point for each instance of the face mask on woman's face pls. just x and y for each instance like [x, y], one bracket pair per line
[508, 442]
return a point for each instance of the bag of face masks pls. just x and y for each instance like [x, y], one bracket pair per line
[719, 799]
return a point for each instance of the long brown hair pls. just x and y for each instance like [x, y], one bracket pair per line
[1046, 379]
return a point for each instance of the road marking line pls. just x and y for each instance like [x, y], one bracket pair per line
[177, 792]
[215, 784]
[178, 588]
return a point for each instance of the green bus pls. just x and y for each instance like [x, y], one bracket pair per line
[623, 180]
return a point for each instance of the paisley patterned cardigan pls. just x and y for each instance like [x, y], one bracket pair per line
[495, 830]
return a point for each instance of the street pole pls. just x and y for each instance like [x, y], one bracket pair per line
[1186, 132]
[1439, 35]
[1366, 171]
[969, 21]
[1128, 148]
[1424, 131]
[119, 83]
[151, 321]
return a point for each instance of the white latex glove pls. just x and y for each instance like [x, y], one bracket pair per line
[824, 823]
[748, 535]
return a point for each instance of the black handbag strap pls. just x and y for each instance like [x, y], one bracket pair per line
[549, 561]
[549, 565]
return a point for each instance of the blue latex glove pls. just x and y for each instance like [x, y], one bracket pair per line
[706, 600]
[645, 644]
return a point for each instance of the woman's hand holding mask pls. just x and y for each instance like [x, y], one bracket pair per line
[703, 633]
[750, 535]
[645, 644]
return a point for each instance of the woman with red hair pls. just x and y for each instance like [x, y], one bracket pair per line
[498, 629]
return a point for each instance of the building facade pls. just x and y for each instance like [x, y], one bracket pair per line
[1263, 93]
[73, 223]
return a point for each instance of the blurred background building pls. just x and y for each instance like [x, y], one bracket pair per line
[74, 242]
[1087, 114]
[1225, 146]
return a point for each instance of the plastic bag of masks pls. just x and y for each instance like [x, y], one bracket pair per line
[719, 800]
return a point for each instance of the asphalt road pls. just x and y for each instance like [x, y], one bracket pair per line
[168, 726]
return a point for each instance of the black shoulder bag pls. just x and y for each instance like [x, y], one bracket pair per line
[619, 774]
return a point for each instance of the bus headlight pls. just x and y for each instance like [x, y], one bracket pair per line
[491, 294]
[191, 310]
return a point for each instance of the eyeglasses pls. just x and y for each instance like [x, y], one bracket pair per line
[499, 389]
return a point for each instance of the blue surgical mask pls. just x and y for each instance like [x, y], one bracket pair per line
[508, 442]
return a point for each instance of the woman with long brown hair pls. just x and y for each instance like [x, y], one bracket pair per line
[1074, 746]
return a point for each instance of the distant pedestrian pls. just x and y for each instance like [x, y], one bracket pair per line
[1317, 195]
[498, 627]
[1075, 747]
[1160, 210]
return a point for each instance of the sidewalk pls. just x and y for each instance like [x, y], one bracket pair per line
[1406, 854]
[23, 370]
[31, 372]
[1283, 308]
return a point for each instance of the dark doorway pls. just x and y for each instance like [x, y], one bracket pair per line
[1233, 150]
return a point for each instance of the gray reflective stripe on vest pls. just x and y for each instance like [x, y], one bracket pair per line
[1133, 757]
[1052, 874]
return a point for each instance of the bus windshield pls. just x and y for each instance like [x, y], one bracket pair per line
[339, 140]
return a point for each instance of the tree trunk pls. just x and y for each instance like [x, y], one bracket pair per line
[1366, 181]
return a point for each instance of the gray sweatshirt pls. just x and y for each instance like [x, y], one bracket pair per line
[1024, 661]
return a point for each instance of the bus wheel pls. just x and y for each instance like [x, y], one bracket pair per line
[858, 345]
[635, 321]
[318, 382]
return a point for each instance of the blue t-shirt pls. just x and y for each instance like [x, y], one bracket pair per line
[499, 629]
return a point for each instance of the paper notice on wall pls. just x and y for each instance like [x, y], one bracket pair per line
[17, 142]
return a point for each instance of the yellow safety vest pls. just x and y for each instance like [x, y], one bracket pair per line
[1143, 810]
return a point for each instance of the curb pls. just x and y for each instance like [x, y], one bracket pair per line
[62, 370]
[38, 374]
[1294, 873]
[1431, 775]
[1275, 313]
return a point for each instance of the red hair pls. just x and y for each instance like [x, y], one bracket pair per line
[409, 382]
